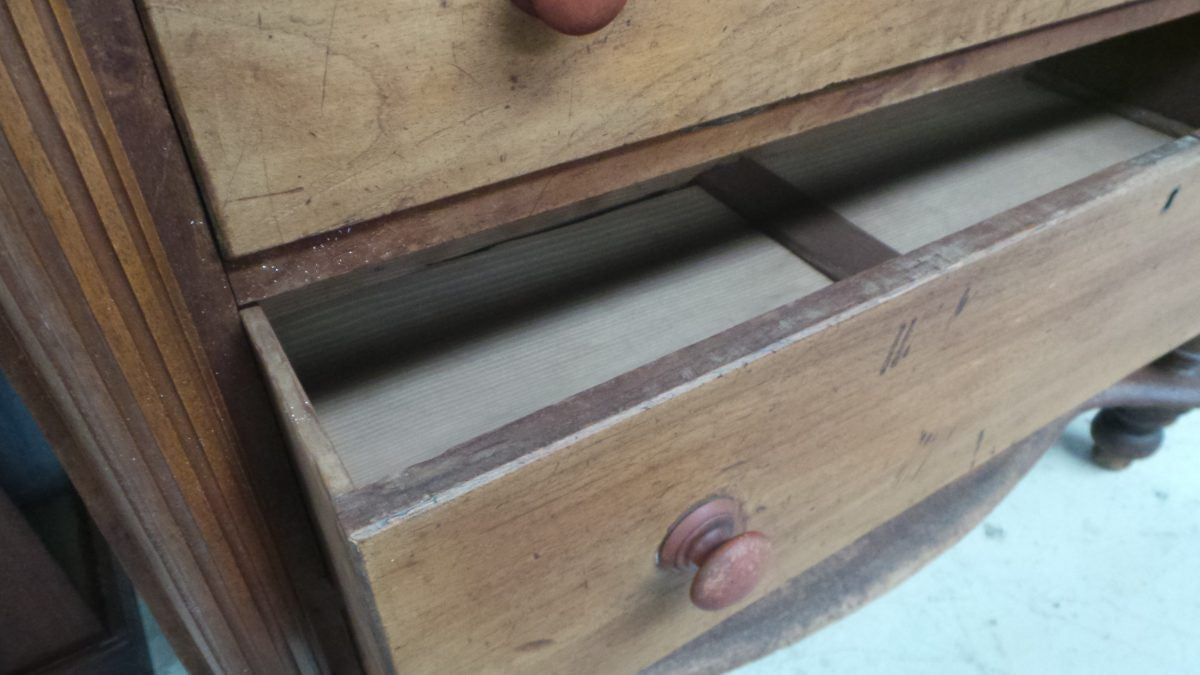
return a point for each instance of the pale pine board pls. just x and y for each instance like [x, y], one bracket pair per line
[309, 115]
[916, 172]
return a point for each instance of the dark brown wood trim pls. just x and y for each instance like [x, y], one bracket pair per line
[119, 55]
[116, 360]
[818, 235]
[458, 225]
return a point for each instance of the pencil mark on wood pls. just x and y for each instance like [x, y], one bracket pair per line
[1170, 199]
[270, 194]
[328, 39]
[900, 346]
[962, 302]
[535, 645]
[978, 446]
[734, 465]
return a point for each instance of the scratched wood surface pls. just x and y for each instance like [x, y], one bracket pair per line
[309, 116]
[968, 346]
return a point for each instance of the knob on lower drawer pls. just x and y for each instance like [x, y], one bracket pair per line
[573, 17]
[729, 562]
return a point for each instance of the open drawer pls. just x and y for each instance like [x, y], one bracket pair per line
[826, 332]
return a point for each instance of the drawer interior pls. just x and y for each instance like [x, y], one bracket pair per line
[410, 367]
[411, 364]
[916, 172]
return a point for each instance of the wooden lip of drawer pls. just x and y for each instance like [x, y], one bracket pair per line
[946, 272]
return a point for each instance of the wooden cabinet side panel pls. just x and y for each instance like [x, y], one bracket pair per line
[91, 302]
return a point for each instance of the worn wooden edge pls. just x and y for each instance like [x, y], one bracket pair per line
[864, 570]
[325, 479]
[126, 81]
[808, 228]
[483, 217]
[372, 508]
[292, 404]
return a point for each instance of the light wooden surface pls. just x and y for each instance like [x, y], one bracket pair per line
[403, 370]
[115, 360]
[547, 563]
[308, 116]
[921, 170]
[452, 227]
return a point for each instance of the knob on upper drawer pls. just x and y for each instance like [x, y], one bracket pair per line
[729, 562]
[573, 17]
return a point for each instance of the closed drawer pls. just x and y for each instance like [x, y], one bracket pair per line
[309, 116]
[497, 446]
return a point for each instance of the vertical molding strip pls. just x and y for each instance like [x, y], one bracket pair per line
[89, 293]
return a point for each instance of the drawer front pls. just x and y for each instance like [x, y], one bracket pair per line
[888, 386]
[309, 116]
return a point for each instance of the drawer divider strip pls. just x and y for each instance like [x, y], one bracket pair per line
[808, 228]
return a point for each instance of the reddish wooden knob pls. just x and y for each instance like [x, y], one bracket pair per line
[573, 17]
[729, 564]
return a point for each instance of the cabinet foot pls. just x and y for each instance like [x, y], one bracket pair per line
[1127, 433]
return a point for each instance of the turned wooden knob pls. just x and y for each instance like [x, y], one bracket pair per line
[573, 17]
[729, 563]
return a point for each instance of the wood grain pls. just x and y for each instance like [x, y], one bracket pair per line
[418, 236]
[128, 83]
[315, 115]
[887, 386]
[861, 572]
[92, 303]
[325, 480]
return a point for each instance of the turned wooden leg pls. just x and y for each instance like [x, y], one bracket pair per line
[1123, 434]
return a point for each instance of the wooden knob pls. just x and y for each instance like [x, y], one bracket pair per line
[573, 17]
[729, 565]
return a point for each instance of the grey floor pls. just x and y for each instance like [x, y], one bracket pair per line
[1079, 570]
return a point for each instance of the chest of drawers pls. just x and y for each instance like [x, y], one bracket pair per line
[652, 348]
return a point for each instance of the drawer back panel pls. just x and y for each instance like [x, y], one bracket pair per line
[916, 172]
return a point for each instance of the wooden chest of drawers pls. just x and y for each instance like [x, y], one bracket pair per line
[500, 443]
[555, 328]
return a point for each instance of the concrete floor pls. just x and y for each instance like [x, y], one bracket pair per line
[1079, 570]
